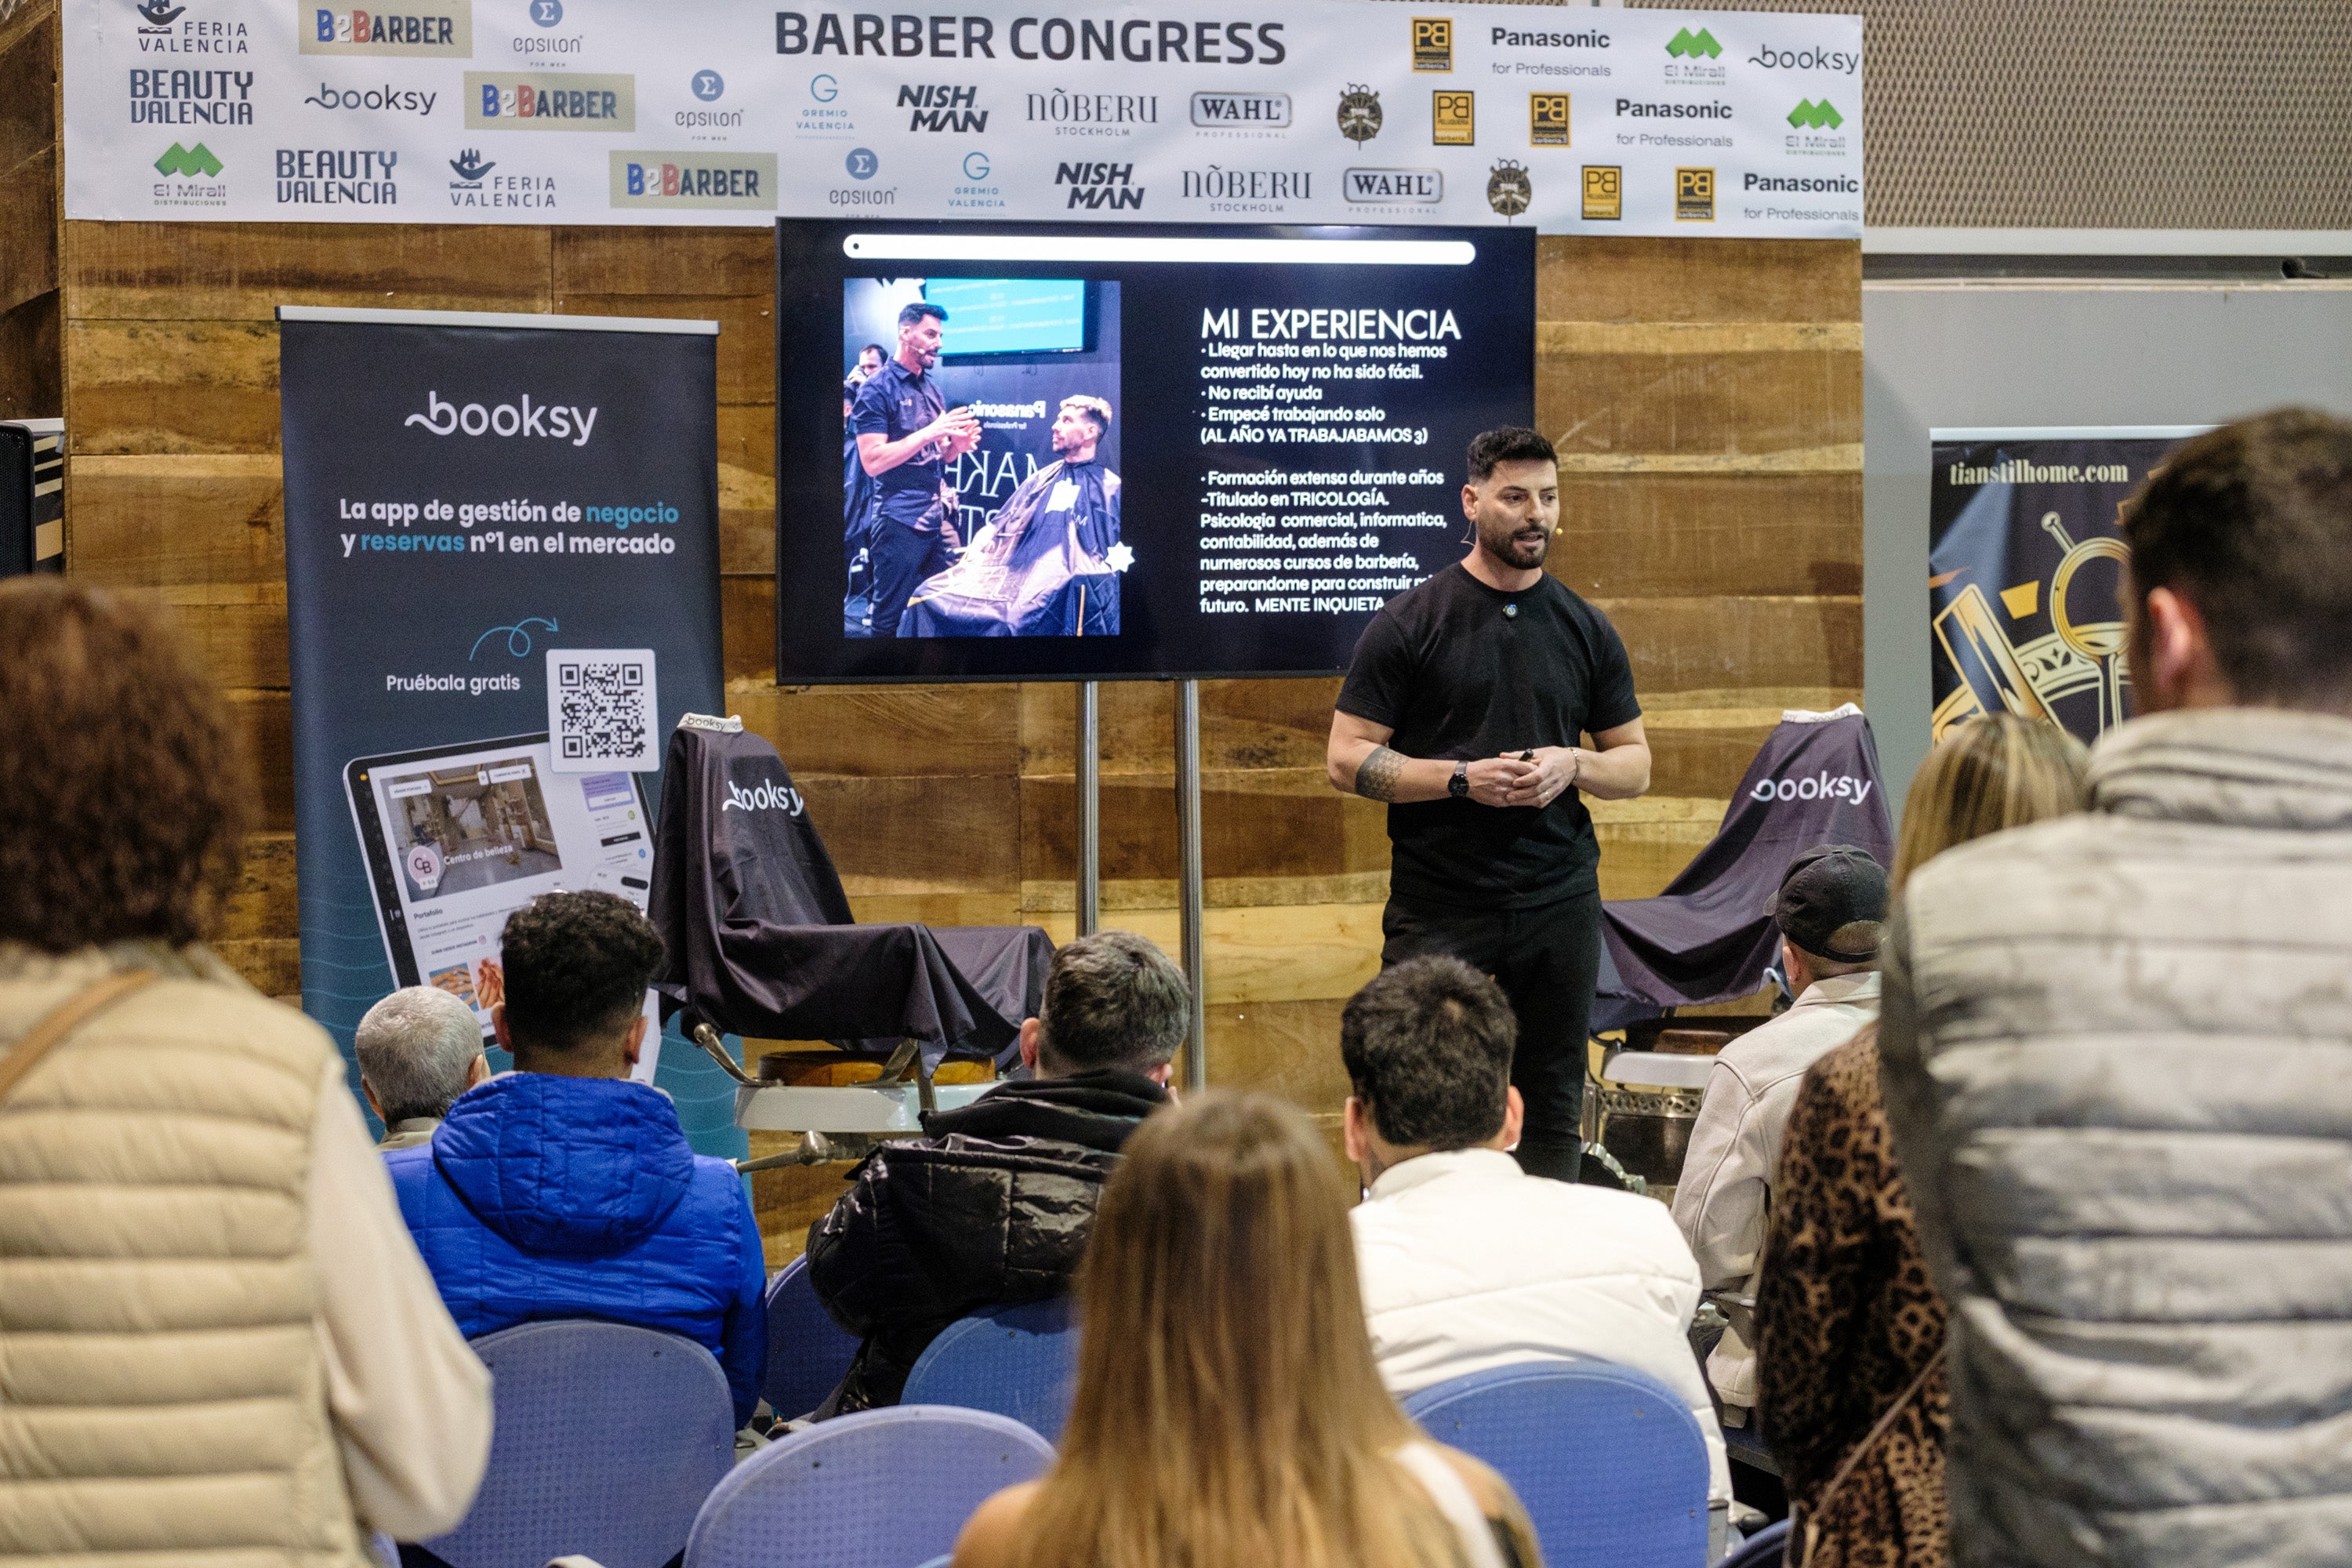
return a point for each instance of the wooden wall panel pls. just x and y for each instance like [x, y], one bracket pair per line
[1706, 396]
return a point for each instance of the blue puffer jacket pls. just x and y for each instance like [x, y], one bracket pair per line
[574, 1197]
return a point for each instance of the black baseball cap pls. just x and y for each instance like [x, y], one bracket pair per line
[1826, 890]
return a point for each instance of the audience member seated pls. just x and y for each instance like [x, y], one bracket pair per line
[1228, 1409]
[563, 1190]
[216, 1342]
[994, 1205]
[2117, 1055]
[1852, 1329]
[1467, 1261]
[419, 1049]
[1828, 908]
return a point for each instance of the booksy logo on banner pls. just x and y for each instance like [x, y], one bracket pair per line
[556, 421]
[541, 101]
[441, 28]
[735, 182]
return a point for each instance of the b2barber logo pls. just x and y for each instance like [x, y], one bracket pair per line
[937, 106]
[763, 798]
[442, 28]
[555, 421]
[1098, 185]
[1821, 787]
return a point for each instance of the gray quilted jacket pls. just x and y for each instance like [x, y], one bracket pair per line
[2118, 1055]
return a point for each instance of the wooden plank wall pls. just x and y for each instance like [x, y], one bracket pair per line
[1705, 396]
[30, 368]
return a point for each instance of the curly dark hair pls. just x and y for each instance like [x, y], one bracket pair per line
[1509, 444]
[122, 789]
[577, 965]
[1428, 1050]
[2252, 523]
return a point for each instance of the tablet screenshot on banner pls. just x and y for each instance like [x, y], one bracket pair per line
[468, 837]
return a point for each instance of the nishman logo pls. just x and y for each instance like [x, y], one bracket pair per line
[1809, 115]
[1093, 186]
[766, 797]
[943, 107]
[188, 162]
[1686, 44]
[1821, 787]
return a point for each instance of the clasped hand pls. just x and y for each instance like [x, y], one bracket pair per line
[1513, 780]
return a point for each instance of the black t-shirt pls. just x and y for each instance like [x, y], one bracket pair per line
[894, 403]
[1458, 677]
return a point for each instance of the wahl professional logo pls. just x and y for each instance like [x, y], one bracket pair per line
[1241, 110]
[763, 798]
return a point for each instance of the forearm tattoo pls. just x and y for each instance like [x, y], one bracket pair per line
[1377, 774]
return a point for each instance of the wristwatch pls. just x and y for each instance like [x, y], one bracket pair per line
[1458, 786]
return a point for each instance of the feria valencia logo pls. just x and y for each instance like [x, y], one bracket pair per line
[763, 798]
[555, 421]
[1820, 787]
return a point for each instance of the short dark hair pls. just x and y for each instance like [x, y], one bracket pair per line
[1114, 1000]
[916, 311]
[122, 788]
[2252, 524]
[1511, 444]
[876, 348]
[577, 965]
[1428, 1050]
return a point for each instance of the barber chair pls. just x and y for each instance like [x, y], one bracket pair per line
[760, 941]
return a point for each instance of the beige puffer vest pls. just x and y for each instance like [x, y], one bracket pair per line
[163, 1392]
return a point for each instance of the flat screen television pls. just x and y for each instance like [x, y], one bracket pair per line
[1126, 452]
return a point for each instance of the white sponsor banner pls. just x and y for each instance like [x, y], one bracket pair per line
[727, 112]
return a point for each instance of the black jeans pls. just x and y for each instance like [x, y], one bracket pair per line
[1547, 961]
[900, 559]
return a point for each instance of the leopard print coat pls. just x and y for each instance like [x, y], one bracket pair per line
[1846, 1317]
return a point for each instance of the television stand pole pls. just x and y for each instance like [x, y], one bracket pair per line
[1089, 750]
[1188, 848]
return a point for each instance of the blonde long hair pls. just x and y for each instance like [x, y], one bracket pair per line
[1228, 1409]
[1993, 772]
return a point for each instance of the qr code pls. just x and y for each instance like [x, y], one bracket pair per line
[601, 707]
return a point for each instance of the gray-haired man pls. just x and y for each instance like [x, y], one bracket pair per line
[419, 1049]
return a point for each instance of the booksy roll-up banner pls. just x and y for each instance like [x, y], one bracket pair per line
[1573, 120]
[501, 592]
[2023, 565]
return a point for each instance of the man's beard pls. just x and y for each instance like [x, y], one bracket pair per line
[1524, 546]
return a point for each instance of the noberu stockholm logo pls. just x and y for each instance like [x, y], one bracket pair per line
[761, 797]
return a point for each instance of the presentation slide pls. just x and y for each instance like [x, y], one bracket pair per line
[1131, 451]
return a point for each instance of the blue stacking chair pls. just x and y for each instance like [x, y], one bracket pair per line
[808, 1352]
[608, 1437]
[1020, 1361]
[1608, 1460]
[879, 1488]
[1764, 1548]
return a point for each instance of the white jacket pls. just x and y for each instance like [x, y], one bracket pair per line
[1723, 1201]
[1467, 1263]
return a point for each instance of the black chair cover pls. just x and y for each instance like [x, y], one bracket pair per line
[759, 936]
[1707, 938]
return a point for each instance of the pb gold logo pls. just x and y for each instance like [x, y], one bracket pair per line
[1453, 119]
[1548, 120]
[1604, 193]
[1433, 44]
[1360, 113]
[1693, 196]
[1508, 190]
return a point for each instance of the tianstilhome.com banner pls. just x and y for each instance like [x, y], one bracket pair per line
[503, 591]
[728, 111]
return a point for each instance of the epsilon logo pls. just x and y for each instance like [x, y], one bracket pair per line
[547, 12]
[710, 86]
[862, 163]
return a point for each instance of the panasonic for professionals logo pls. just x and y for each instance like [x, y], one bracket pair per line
[763, 798]
[1631, 108]
[1821, 787]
